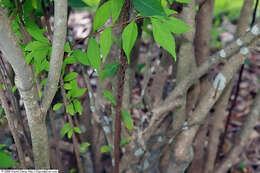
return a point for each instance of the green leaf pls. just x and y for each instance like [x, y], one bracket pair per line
[77, 130]
[67, 48]
[105, 42]
[163, 37]
[5, 160]
[176, 26]
[67, 86]
[70, 133]
[149, 7]
[109, 96]
[28, 58]
[35, 31]
[70, 76]
[35, 45]
[70, 60]
[14, 88]
[34, 4]
[171, 1]
[92, 3]
[3, 87]
[93, 53]
[76, 92]
[109, 70]
[102, 15]
[65, 129]
[129, 36]
[140, 67]
[84, 146]
[128, 121]
[106, 148]
[57, 106]
[116, 9]
[43, 82]
[81, 57]
[183, 1]
[70, 109]
[78, 106]
[116, 41]
[1, 112]
[125, 141]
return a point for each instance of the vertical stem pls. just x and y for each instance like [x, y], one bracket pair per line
[13, 129]
[120, 88]
[57, 140]
[74, 139]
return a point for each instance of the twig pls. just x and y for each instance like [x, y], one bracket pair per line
[56, 139]
[241, 138]
[12, 128]
[231, 109]
[112, 26]
[120, 88]
[46, 19]
[74, 138]
[18, 9]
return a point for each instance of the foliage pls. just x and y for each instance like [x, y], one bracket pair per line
[5, 160]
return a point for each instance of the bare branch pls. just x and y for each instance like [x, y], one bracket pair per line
[12, 128]
[184, 140]
[59, 38]
[242, 138]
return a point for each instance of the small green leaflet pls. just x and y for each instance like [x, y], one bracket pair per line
[105, 41]
[5, 160]
[128, 121]
[92, 3]
[34, 45]
[149, 7]
[70, 133]
[67, 48]
[57, 106]
[83, 147]
[70, 109]
[38, 52]
[70, 60]
[77, 105]
[81, 57]
[77, 130]
[85, 144]
[102, 15]
[163, 37]
[76, 92]
[70, 76]
[65, 129]
[116, 9]
[43, 82]
[106, 148]
[108, 71]
[93, 54]
[109, 96]
[129, 36]
[175, 25]
[171, 1]
[1, 112]
[125, 141]
[183, 1]
[35, 31]
[67, 86]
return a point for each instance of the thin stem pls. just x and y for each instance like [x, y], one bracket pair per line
[74, 139]
[120, 88]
